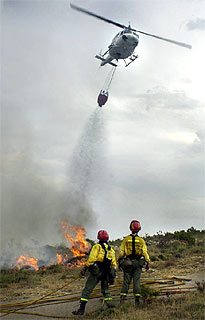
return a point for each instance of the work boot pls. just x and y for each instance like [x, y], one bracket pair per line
[122, 299]
[81, 309]
[137, 301]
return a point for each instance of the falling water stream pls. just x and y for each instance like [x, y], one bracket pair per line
[87, 166]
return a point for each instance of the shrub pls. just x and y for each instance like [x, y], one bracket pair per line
[169, 263]
[55, 268]
[90, 241]
[147, 292]
[185, 236]
[116, 242]
[9, 276]
[154, 258]
[201, 286]
[162, 257]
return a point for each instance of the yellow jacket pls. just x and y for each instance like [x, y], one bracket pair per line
[140, 247]
[97, 253]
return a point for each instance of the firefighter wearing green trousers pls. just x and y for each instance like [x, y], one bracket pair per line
[102, 266]
[132, 257]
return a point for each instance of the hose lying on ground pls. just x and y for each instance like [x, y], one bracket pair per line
[41, 298]
[159, 284]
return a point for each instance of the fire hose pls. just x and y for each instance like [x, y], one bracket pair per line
[160, 284]
[41, 298]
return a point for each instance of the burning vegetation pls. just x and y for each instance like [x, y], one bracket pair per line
[72, 255]
[27, 262]
[76, 237]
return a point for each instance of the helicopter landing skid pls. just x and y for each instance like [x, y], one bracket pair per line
[132, 59]
[103, 59]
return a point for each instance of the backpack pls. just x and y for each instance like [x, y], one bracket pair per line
[107, 258]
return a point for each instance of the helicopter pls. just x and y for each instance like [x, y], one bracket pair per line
[124, 43]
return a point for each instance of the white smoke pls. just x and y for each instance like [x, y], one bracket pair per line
[32, 209]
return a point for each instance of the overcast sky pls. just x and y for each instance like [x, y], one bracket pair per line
[139, 157]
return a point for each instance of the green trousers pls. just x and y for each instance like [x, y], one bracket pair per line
[92, 281]
[132, 272]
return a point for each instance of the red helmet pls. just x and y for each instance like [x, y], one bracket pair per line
[103, 236]
[135, 226]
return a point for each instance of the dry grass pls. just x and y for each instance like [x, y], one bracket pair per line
[187, 307]
[17, 284]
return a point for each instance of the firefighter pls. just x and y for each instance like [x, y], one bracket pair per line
[132, 257]
[101, 264]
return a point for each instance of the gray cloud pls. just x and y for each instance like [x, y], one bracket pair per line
[197, 24]
[161, 97]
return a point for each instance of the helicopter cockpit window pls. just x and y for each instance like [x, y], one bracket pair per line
[117, 35]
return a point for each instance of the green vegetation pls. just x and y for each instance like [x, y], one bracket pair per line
[55, 268]
[90, 241]
[188, 237]
[163, 247]
[148, 293]
[28, 277]
[23, 276]
[116, 242]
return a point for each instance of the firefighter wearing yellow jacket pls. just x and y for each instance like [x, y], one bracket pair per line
[132, 257]
[102, 266]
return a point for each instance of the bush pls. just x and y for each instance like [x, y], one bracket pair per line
[170, 263]
[154, 258]
[185, 236]
[90, 241]
[147, 293]
[9, 276]
[116, 242]
[55, 268]
[162, 257]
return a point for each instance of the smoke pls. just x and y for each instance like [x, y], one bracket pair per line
[29, 204]
[33, 207]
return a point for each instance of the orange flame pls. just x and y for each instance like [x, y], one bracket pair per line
[79, 246]
[61, 259]
[25, 261]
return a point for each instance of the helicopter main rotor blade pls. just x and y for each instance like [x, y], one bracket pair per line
[124, 27]
[182, 44]
[97, 16]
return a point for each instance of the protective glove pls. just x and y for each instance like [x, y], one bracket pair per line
[147, 266]
[83, 271]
